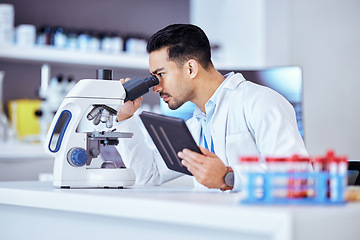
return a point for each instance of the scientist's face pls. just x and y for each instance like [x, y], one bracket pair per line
[174, 83]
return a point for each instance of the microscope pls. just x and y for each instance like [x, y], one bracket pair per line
[83, 122]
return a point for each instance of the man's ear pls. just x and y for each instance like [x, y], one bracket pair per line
[193, 68]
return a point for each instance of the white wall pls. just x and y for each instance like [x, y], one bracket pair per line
[325, 41]
[277, 32]
[252, 34]
[237, 26]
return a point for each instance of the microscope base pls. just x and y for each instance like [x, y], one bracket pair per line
[99, 178]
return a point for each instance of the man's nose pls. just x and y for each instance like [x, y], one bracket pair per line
[157, 88]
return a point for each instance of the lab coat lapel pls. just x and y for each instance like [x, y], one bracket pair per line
[195, 128]
[218, 126]
[219, 122]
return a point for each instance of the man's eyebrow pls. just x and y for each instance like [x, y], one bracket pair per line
[157, 70]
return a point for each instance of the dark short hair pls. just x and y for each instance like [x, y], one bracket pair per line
[184, 42]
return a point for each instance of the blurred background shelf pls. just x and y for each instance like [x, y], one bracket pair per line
[67, 57]
[73, 57]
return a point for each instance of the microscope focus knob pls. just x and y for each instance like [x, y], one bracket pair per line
[77, 157]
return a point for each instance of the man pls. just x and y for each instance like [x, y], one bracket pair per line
[233, 118]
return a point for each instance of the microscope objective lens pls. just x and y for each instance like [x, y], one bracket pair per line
[93, 113]
[96, 120]
[109, 122]
[104, 115]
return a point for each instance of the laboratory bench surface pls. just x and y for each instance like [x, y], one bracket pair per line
[37, 210]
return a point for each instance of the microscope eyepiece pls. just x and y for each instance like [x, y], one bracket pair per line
[136, 87]
[151, 81]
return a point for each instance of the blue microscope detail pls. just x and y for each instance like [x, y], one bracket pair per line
[77, 157]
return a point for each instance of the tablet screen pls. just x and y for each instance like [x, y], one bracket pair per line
[170, 136]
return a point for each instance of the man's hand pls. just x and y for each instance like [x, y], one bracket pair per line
[129, 108]
[207, 168]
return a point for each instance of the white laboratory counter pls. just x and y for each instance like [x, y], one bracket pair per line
[36, 210]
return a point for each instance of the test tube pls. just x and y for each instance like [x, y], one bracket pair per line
[278, 168]
[333, 169]
[249, 166]
[337, 171]
[320, 179]
[298, 182]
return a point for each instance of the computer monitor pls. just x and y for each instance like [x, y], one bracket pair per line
[286, 80]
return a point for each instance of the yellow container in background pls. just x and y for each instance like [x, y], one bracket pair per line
[22, 117]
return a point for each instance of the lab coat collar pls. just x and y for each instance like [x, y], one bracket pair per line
[232, 80]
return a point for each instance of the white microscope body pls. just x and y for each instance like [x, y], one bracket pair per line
[74, 137]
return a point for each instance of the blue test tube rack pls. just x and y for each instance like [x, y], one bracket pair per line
[321, 188]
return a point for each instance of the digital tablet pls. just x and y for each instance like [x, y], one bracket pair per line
[170, 135]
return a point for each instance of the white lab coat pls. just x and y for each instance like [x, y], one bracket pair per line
[248, 120]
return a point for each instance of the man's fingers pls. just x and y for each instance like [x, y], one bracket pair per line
[206, 152]
[188, 154]
[190, 162]
[124, 80]
[189, 167]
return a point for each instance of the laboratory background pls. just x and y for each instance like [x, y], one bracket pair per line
[306, 50]
[321, 37]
